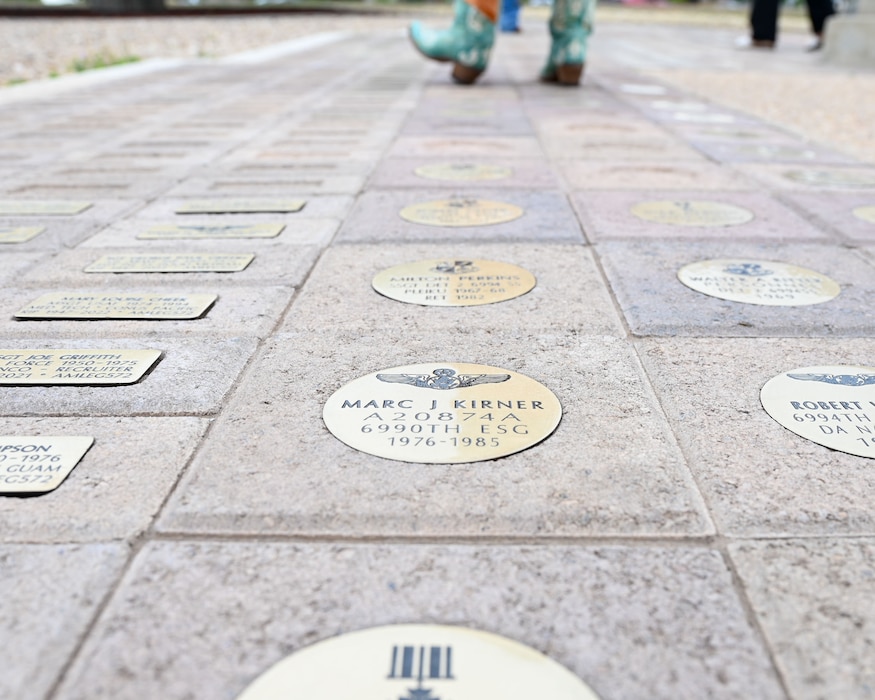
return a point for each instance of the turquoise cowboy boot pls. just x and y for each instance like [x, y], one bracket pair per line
[570, 27]
[466, 43]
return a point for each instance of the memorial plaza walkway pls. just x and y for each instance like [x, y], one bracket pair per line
[670, 539]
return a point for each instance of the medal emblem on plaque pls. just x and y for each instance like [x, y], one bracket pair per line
[418, 662]
[759, 282]
[463, 172]
[453, 282]
[692, 213]
[833, 177]
[459, 212]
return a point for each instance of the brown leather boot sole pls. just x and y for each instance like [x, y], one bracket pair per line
[465, 75]
[566, 74]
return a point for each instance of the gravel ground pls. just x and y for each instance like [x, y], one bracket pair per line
[827, 106]
[39, 48]
[831, 107]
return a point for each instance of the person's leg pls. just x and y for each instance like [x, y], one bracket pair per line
[764, 20]
[467, 43]
[571, 23]
[510, 16]
[819, 10]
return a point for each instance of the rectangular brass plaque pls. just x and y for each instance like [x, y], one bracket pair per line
[176, 231]
[156, 307]
[240, 206]
[38, 463]
[36, 207]
[172, 262]
[49, 367]
[19, 234]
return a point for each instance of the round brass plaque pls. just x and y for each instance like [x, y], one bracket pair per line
[451, 282]
[832, 406]
[703, 117]
[832, 178]
[865, 213]
[463, 172]
[730, 133]
[442, 413]
[776, 152]
[695, 213]
[679, 105]
[418, 662]
[759, 282]
[642, 89]
[461, 212]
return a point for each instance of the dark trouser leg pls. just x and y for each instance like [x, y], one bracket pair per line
[764, 19]
[819, 10]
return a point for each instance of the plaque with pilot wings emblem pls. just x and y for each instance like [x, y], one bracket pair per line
[842, 379]
[443, 379]
[442, 413]
[832, 406]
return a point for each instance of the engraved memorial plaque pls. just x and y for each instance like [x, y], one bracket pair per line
[692, 213]
[832, 178]
[461, 212]
[452, 282]
[833, 406]
[776, 152]
[76, 366]
[35, 207]
[719, 132]
[38, 463]
[19, 234]
[86, 306]
[442, 413]
[759, 282]
[463, 172]
[418, 662]
[703, 117]
[472, 113]
[240, 206]
[179, 231]
[865, 213]
[680, 105]
[642, 89]
[172, 262]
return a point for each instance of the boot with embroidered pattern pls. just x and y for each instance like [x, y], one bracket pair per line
[467, 43]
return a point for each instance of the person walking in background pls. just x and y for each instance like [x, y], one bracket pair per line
[468, 42]
[764, 22]
[510, 16]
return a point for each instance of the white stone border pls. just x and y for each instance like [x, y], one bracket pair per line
[50, 87]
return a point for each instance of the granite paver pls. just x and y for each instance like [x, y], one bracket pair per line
[813, 597]
[206, 371]
[630, 482]
[51, 593]
[267, 269]
[654, 302]
[376, 217]
[568, 294]
[668, 540]
[632, 622]
[758, 477]
[238, 311]
[108, 496]
[607, 215]
[836, 211]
